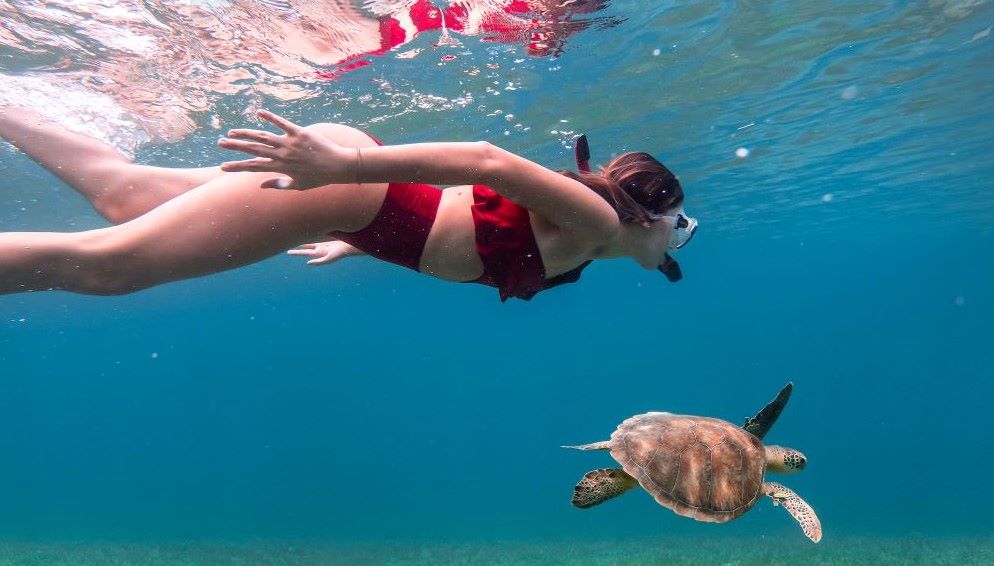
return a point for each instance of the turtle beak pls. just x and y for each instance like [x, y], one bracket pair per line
[795, 461]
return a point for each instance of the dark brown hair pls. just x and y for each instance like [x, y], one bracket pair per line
[635, 184]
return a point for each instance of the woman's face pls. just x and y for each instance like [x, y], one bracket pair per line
[657, 243]
[665, 236]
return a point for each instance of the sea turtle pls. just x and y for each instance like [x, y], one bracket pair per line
[699, 467]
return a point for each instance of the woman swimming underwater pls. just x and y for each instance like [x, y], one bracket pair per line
[506, 221]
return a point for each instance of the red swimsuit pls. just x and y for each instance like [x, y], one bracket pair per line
[504, 237]
[506, 244]
[400, 229]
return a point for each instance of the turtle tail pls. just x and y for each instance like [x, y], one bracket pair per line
[603, 445]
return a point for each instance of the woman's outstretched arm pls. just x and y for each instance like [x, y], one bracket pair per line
[312, 160]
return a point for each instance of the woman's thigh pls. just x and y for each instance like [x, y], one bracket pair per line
[230, 221]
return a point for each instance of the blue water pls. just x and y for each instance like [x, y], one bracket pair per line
[849, 251]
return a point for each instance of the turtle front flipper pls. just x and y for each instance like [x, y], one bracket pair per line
[764, 419]
[797, 507]
[597, 486]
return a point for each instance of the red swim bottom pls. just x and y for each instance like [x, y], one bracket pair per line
[400, 229]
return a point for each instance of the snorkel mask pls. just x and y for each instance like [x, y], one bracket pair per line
[682, 226]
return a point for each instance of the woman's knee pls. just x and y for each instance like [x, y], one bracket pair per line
[136, 189]
[120, 198]
[118, 206]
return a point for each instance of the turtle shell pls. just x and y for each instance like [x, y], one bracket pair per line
[700, 467]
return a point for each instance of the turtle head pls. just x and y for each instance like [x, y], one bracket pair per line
[785, 460]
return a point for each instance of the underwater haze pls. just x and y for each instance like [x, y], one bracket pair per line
[839, 157]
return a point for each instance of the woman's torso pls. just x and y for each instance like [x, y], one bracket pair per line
[451, 252]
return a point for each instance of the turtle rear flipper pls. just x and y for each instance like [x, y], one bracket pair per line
[597, 486]
[797, 507]
[764, 419]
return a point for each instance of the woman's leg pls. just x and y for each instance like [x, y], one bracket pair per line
[225, 223]
[117, 188]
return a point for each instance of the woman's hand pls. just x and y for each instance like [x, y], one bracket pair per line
[309, 159]
[325, 252]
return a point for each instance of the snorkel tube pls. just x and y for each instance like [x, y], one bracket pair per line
[581, 152]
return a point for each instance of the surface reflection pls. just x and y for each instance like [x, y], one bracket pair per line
[141, 70]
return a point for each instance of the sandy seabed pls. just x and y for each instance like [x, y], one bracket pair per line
[766, 551]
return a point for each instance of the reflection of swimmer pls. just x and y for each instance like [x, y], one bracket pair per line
[508, 222]
[142, 71]
[159, 62]
[542, 25]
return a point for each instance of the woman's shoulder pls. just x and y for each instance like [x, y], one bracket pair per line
[561, 250]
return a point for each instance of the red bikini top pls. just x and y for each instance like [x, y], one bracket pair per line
[506, 244]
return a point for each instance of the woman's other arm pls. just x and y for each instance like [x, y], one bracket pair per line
[321, 253]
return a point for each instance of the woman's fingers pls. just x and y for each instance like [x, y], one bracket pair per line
[255, 164]
[321, 252]
[313, 249]
[255, 141]
[328, 256]
[279, 121]
[261, 136]
[252, 148]
[257, 149]
[317, 255]
[298, 251]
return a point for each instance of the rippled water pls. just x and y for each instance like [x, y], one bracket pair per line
[160, 64]
[812, 92]
[838, 155]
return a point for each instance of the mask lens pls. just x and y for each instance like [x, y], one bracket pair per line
[684, 229]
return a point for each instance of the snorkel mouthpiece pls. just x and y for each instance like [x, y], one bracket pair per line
[670, 268]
